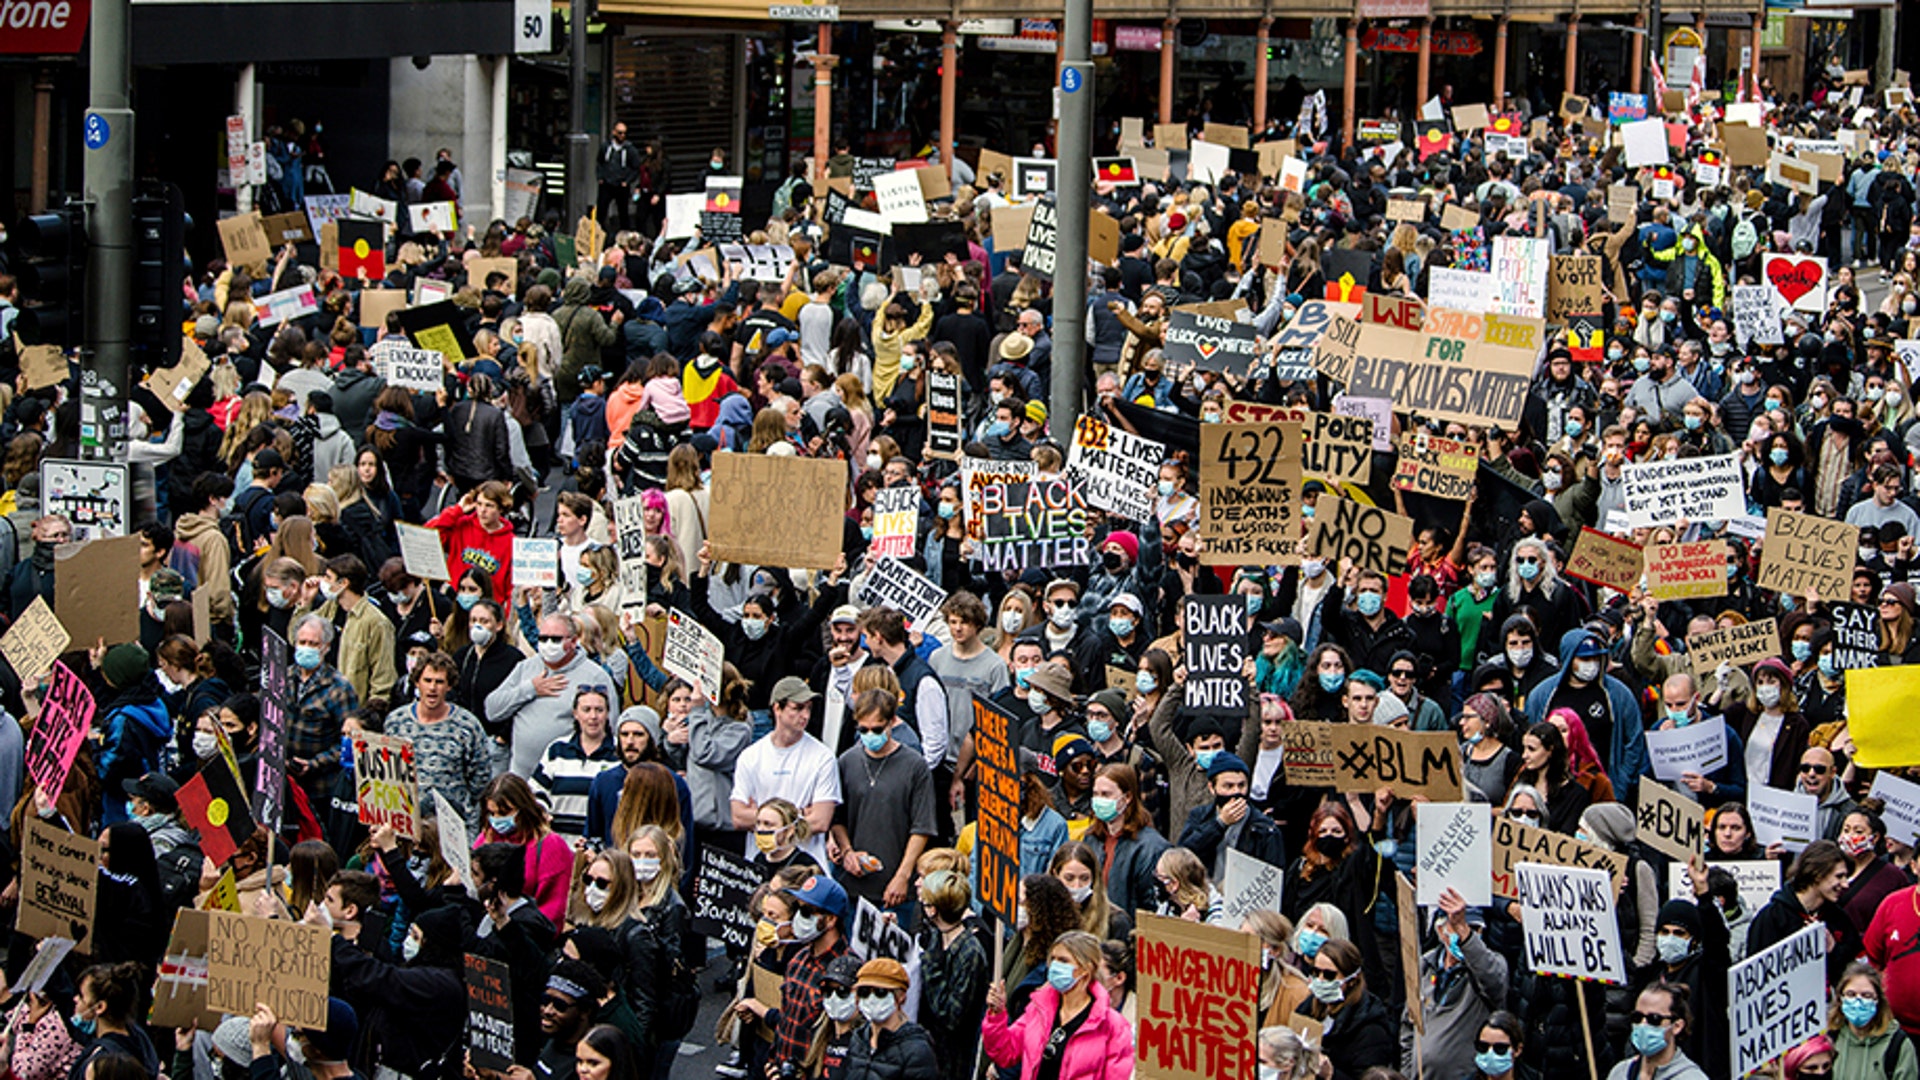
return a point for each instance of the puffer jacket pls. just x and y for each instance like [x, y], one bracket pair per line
[477, 444]
[137, 727]
[905, 1053]
[1101, 1050]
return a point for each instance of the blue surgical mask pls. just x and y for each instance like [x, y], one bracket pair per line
[1692, 422]
[1641, 364]
[501, 823]
[755, 629]
[1166, 488]
[1099, 730]
[1326, 991]
[1672, 947]
[1680, 717]
[1829, 664]
[1145, 682]
[1801, 650]
[1494, 1063]
[1649, 1039]
[1859, 1011]
[873, 741]
[85, 1025]
[997, 430]
[1779, 456]
[947, 510]
[1773, 404]
[1104, 808]
[1529, 570]
[1453, 946]
[1368, 603]
[866, 532]
[1120, 625]
[1307, 942]
[306, 656]
[1204, 758]
[1487, 579]
[1061, 976]
[1574, 428]
[1021, 675]
[1668, 316]
[1332, 681]
[466, 600]
[1255, 602]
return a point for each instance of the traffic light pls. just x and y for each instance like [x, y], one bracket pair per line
[52, 274]
[159, 257]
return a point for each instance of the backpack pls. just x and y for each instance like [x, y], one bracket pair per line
[233, 523]
[1746, 236]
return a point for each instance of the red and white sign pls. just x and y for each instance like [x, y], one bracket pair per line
[43, 27]
[1136, 38]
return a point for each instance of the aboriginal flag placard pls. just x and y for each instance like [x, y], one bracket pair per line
[1115, 170]
[363, 246]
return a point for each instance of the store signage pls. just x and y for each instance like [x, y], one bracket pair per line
[1407, 39]
[43, 27]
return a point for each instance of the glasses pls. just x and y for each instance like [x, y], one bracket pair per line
[1649, 1018]
[1485, 1046]
[603, 882]
[1059, 603]
[1328, 973]
[1528, 561]
[556, 1003]
[558, 639]
[1400, 673]
[1813, 768]
[1888, 601]
[870, 993]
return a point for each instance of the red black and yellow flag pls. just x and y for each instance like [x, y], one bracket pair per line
[213, 803]
[1115, 170]
[363, 246]
[1433, 139]
[723, 195]
[1504, 124]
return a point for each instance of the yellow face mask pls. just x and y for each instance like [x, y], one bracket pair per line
[766, 934]
[765, 841]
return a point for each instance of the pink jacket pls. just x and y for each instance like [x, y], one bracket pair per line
[1101, 1050]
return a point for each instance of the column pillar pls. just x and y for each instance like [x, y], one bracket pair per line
[949, 63]
[1423, 66]
[1169, 37]
[1349, 85]
[1500, 28]
[42, 139]
[244, 92]
[1637, 70]
[823, 61]
[1261, 37]
[497, 137]
[1753, 70]
[1573, 52]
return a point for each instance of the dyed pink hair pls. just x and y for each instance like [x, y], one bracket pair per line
[655, 499]
[1579, 746]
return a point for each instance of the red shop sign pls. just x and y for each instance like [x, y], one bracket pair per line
[43, 27]
[1407, 39]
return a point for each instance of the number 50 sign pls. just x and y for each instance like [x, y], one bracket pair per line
[1250, 493]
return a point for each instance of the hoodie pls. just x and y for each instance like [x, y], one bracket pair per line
[332, 446]
[735, 426]
[583, 334]
[1627, 744]
[137, 727]
[216, 561]
[354, 391]
[622, 404]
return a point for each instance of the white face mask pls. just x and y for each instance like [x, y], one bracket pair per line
[878, 1010]
[481, 635]
[1011, 621]
[1082, 894]
[1586, 670]
[646, 869]
[596, 897]
[553, 651]
[205, 745]
[411, 949]
[839, 1007]
[1768, 693]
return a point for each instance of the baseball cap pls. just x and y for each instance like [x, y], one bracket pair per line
[792, 689]
[155, 787]
[845, 613]
[822, 892]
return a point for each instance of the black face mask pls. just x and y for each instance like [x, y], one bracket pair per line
[1113, 561]
[1184, 559]
[1330, 846]
[1220, 801]
[1150, 376]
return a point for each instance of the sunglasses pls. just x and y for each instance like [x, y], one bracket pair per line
[1649, 1018]
[555, 638]
[1060, 603]
[1329, 973]
[600, 881]
[1814, 769]
[556, 1003]
[1485, 1047]
[1527, 561]
[1400, 673]
[872, 993]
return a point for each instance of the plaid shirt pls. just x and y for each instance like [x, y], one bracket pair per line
[800, 1003]
[321, 702]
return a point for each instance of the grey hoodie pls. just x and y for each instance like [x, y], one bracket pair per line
[333, 446]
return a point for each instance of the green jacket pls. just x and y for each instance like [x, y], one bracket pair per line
[583, 333]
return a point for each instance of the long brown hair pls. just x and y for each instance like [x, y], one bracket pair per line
[1132, 819]
[394, 400]
[647, 797]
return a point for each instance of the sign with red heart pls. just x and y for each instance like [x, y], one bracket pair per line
[1801, 280]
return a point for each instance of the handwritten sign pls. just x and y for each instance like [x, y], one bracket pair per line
[1739, 646]
[722, 889]
[1249, 493]
[1375, 539]
[1856, 636]
[1574, 287]
[1249, 885]
[282, 964]
[1515, 843]
[59, 876]
[1605, 560]
[997, 846]
[34, 642]
[536, 563]
[387, 783]
[66, 715]
[1032, 523]
[411, 369]
[1188, 971]
[694, 654]
[1690, 489]
[1669, 823]
[1779, 998]
[1214, 648]
[1411, 762]
[1431, 465]
[1211, 343]
[1567, 916]
[453, 840]
[896, 521]
[489, 1013]
[1697, 748]
[777, 511]
[420, 549]
[1804, 552]
[1455, 852]
[892, 583]
[1335, 448]
[1114, 470]
[1756, 881]
[1689, 570]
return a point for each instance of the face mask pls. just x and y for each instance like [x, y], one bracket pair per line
[755, 629]
[1856, 846]
[1326, 991]
[646, 869]
[1332, 681]
[1011, 621]
[329, 590]
[1120, 626]
[947, 510]
[411, 949]
[1209, 417]
[1641, 364]
[553, 652]
[1037, 701]
[1859, 1011]
[1649, 1039]
[1165, 488]
[1145, 682]
[1330, 846]
[1672, 947]
[1746, 378]
[466, 600]
[1021, 675]
[1082, 894]
[706, 477]
[1105, 809]
[1529, 571]
[1486, 579]
[1586, 670]
[1312, 568]
[873, 741]
[596, 897]
[1099, 730]
[997, 430]
[1773, 404]
[1061, 975]
[1520, 657]
[204, 744]
[1552, 479]
[1269, 1072]
[502, 823]
[585, 577]
[1802, 650]
[1829, 666]
[1778, 456]
[839, 1007]
[1692, 422]
[878, 1010]
[1368, 603]
[307, 657]
[716, 165]
[1020, 917]
[1307, 942]
[1255, 602]
[806, 926]
[1615, 352]
[1204, 758]
[1768, 693]
[1061, 617]
[1493, 1062]
[276, 596]
[481, 636]
[906, 363]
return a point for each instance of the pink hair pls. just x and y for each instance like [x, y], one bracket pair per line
[1579, 746]
[1798, 1056]
[655, 499]
[1275, 707]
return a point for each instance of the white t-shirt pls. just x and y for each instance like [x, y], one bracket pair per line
[803, 774]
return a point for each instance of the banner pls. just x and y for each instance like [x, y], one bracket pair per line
[694, 654]
[1748, 643]
[276, 962]
[1187, 972]
[1455, 852]
[1373, 538]
[1779, 998]
[1032, 523]
[1114, 470]
[1805, 552]
[997, 843]
[1214, 649]
[1567, 916]
[1691, 489]
[1250, 493]
[896, 522]
[1210, 343]
[1695, 569]
[387, 783]
[1441, 376]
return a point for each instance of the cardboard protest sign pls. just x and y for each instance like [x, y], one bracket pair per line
[1249, 885]
[896, 519]
[1334, 448]
[1804, 552]
[1670, 824]
[1515, 843]
[1029, 523]
[1622, 199]
[1788, 818]
[694, 654]
[1455, 852]
[1407, 912]
[1444, 375]
[454, 847]
[1469, 117]
[1696, 748]
[536, 563]
[997, 843]
[1456, 218]
[180, 988]
[96, 589]
[722, 888]
[277, 962]
[1574, 287]
[1756, 315]
[1190, 970]
[59, 876]
[1114, 470]
[1748, 643]
[1210, 343]
[1779, 999]
[1431, 465]
[1410, 210]
[43, 365]
[94, 496]
[777, 511]
[1856, 636]
[1307, 754]
[1697, 568]
[1690, 489]
[1567, 916]
[489, 1013]
[1375, 539]
[66, 716]
[1249, 493]
[34, 641]
[1605, 560]
[1170, 136]
[387, 783]
[1901, 811]
[943, 415]
[1411, 762]
[1214, 648]
[1042, 248]
[898, 197]
[1800, 280]
[1291, 346]
[244, 239]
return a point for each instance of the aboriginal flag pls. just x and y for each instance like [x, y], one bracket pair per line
[213, 803]
[723, 195]
[1433, 139]
[1115, 170]
[1346, 272]
[1586, 338]
[363, 247]
[1505, 124]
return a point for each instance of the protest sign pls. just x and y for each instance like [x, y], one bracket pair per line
[453, 841]
[1187, 971]
[975, 475]
[1307, 753]
[387, 783]
[1574, 287]
[1788, 818]
[694, 654]
[1460, 290]
[1669, 823]
[1032, 523]
[440, 326]
[1691, 489]
[94, 497]
[1334, 448]
[1805, 553]
[1697, 568]
[413, 369]
[1779, 998]
[1431, 465]
[1622, 199]
[43, 365]
[180, 988]
[536, 563]
[1366, 758]
[1605, 560]
[1901, 806]
[1519, 270]
[997, 843]
[1567, 916]
[285, 305]
[46, 959]
[1249, 493]
[1645, 142]
[421, 551]
[1375, 539]
[1214, 648]
[892, 583]
[66, 716]
[1114, 470]
[34, 642]
[777, 511]
[1442, 375]
[1756, 315]
[244, 239]
[1042, 240]
[897, 196]
[1800, 280]
[59, 876]
[96, 589]
[1403, 312]
[1377, 411]
[943, 415]
[1210, 343]
[1741, 645]
[489, 1013]
[896, 519]
[276, 962]
[1409, 210]
[1856, 636]
[1249, 885]
[722, 888]
[1696, 748]
[1515, 843]
[1407, 914]
[1292, 345]
[1757, 881]
[1455, 852]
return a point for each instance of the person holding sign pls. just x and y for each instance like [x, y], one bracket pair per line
[1814, 882]
[1691, 949]
[477, 533]
[1340, 867]
[1660, 1018]
[1068, 1028]
[1463, 982]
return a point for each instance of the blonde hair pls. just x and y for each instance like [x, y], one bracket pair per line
[255, 409]
[346, 485]
[769, 429]
[668, 879]
[875, 677]
[790, 818]
[322, 504]
[852, 393]
[1189, 876]
[623, 894]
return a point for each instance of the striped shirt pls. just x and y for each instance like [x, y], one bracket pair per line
[565, 775]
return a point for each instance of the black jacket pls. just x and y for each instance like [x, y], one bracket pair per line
[477, 447]
[1361, 1037]
[651, 941]
[1784, 916]
[1259, 837]
[905, 1053]
[409, 1016]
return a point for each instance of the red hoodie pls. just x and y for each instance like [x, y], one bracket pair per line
[467, 544]
[1893, 944]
